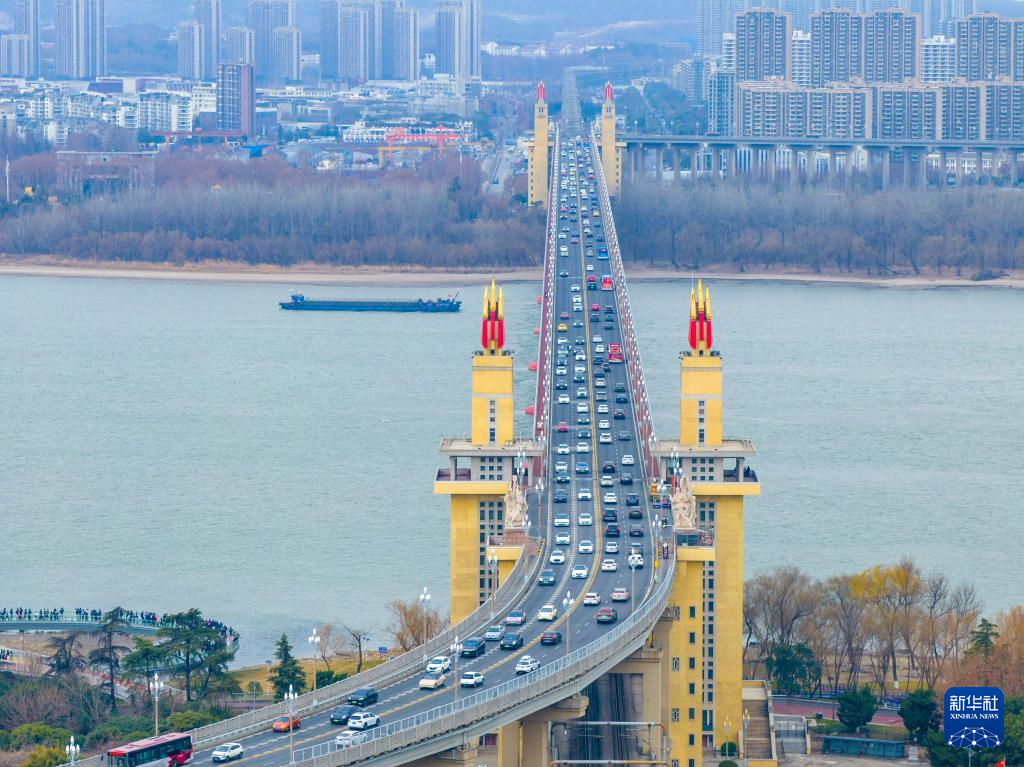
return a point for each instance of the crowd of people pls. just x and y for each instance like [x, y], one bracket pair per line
[6, 655]
[81, 614]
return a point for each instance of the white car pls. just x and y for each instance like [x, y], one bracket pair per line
[585, 519]
[584, 495]
[579, 571]
[563, 399]
[561, 235]
[586, 547]
[349, 738]
[575, 288]
[562, 520]
[582, 447]
[602, 409]
[607, 481]
[557, 557]
[562, 539]
[611, 499]
[560, 370]
[604, 424]
[605, 438]
[609, 566]
[599, 349]
[562, 449]
[581, 357]
[636, 561]
[611, 547]
[363, 720]
[227, 752]
[597, 340]
[591, 598]
[628, 460]
[527, 664]
[432, 680]
[547, 613]
[561, 466]
[582, 407]
[471, 679]
[440, 663]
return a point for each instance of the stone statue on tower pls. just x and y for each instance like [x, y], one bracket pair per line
[684, 504]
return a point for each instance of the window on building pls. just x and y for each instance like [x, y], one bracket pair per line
[691, 713]
[691, 742]
[675, 715]
[693, 689]
[693, 662]
[675, 664]
[693, 611]
[693, 637]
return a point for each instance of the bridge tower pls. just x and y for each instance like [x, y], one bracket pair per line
[481, 468]
[713, 468]
[611, 150]
[537, 161]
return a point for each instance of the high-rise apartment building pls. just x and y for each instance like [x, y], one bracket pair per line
[763, 40]
[837, 46]
[781, 109]
[938, 59]
[728, 57]
[164, 111]
[81, 38]
[715, 18]
[906, 111]
[471, 14]
[236, 98]
[984, 47]
[286, 55]
[190, 50]
[26, 22]
[800, 58]
[239, 46]
[689, 77]
[450, 30]
[264, 16]
[721, 101]
[15, 55]
[963, 113]
[406, 53]
[208, 14]
[1004, 111]
[353, 43]
[892, 46]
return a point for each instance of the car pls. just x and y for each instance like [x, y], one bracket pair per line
[611, 547]
[563, 399]
[547, 613]
[583, 420]
[546, 578]
[560, 370]
[562, 449]
[364, 696]
[229, 751]
[493, 634]
[619, 415]
[551, 637]
[582, 467]
[620, 387]
[636, 531]
[341, 714]
[620, 595]
[563, 316]
[560, 497]
[579, 571]
[626, 479]
[606, 615]
[562, 539]
[605, 438]
[609, 566]
[283, 724]
[595, 308]
[612, 530]
[611, 499]
[632, 499]
[575, 288]
[562, 478]
[439, 663]
[562, 327]
[582, 447]
[602, 409]
[471, 679]
[584, 494]
[583, 433]
[511, 641]
[473, 647]
[581, 393]
[585, 547]
[599, 349]
[609, 515]
[585, 519]
[600, 382]
[621, 399]
[628, 459]
[562, 466]
[603, 424]
[624, 436]
[562, 520]
[591, 598]
[609, 467]
[607, 480]
[635, 561]
[581, 357]
[526, 664]
[433, 680]
[557, 557]
[349, 738]
[562, 427]
[363, 720]
[515, 618]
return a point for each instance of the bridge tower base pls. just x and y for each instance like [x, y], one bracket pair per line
[611, 150]
[537, 159]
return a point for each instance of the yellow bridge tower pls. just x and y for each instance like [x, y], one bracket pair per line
[481, 468]
[611, 150]
[708, 475]
[537, 160]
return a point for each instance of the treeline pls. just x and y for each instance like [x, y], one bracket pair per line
[744, 228]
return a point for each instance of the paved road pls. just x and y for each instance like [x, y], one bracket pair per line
[584, 428]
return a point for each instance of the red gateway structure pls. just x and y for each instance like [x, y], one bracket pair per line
[492, 328]
[700, 319]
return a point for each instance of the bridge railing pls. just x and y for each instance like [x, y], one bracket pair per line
[637, 385]
[561, 674]
[542, 401]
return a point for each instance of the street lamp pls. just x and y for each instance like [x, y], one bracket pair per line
[567, 605]
[456, 648]
[254, 685]
[424, 600]
[290, 696]
[743, 733]
[158, 687]
[314, 639]
[727, 724]
[72, 750]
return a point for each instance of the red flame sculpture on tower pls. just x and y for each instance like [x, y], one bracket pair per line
[492, 328]
[608, 91]
[700, 319]
[540, 91]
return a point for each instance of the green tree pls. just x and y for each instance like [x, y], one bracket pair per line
[119, 729]
[983, 638]
[107, 657]
[182, 721]
[65, 654]
[144, 660]
[793, 668]
[197, 650]
[38, 734]
[288, 672]
[45, 756]
[920, 714]
[856, 707]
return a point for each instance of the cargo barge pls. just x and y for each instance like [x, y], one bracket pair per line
[299, 302]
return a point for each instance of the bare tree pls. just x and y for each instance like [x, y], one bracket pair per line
[357, 639]
[412, 624]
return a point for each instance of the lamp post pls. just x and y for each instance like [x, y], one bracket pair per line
[727, 723]
[456, 648]
[567, 605]
[743, 733]
[254, 685]
[72, 750]
[314, 640]
[424, 600]
[290, 696]
[158, 687]
[492, 570]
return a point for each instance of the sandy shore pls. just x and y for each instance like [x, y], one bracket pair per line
[384, 277]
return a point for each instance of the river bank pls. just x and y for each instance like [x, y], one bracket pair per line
[381, 276]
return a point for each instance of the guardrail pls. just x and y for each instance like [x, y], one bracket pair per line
[637, 386]
[486, 705]
[542, 400]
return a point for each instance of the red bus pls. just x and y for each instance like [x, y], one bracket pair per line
[606, 282]
[614, 353]
[170, 750]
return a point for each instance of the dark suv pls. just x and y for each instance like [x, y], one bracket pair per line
[341, 714]
[473, 648]
[511, 641]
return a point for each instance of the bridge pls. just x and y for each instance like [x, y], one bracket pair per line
[544, 527]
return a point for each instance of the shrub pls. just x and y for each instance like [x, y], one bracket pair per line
[38, 734]
[43, 756]
[728, 749]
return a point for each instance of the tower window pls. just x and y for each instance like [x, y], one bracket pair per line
[675, 664]
[700, 436]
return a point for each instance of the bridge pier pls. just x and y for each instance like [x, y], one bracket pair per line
[693, 164]
[886, 168]
[922, 169]
[468, 755]
[659, 155]
[527, 743]
[716, 163]
[675, 164]
[1013, 167]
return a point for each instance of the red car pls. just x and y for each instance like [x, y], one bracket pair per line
[595, 308]
[606, 615]
[562, 426]
[551, 637]
[281, 724]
